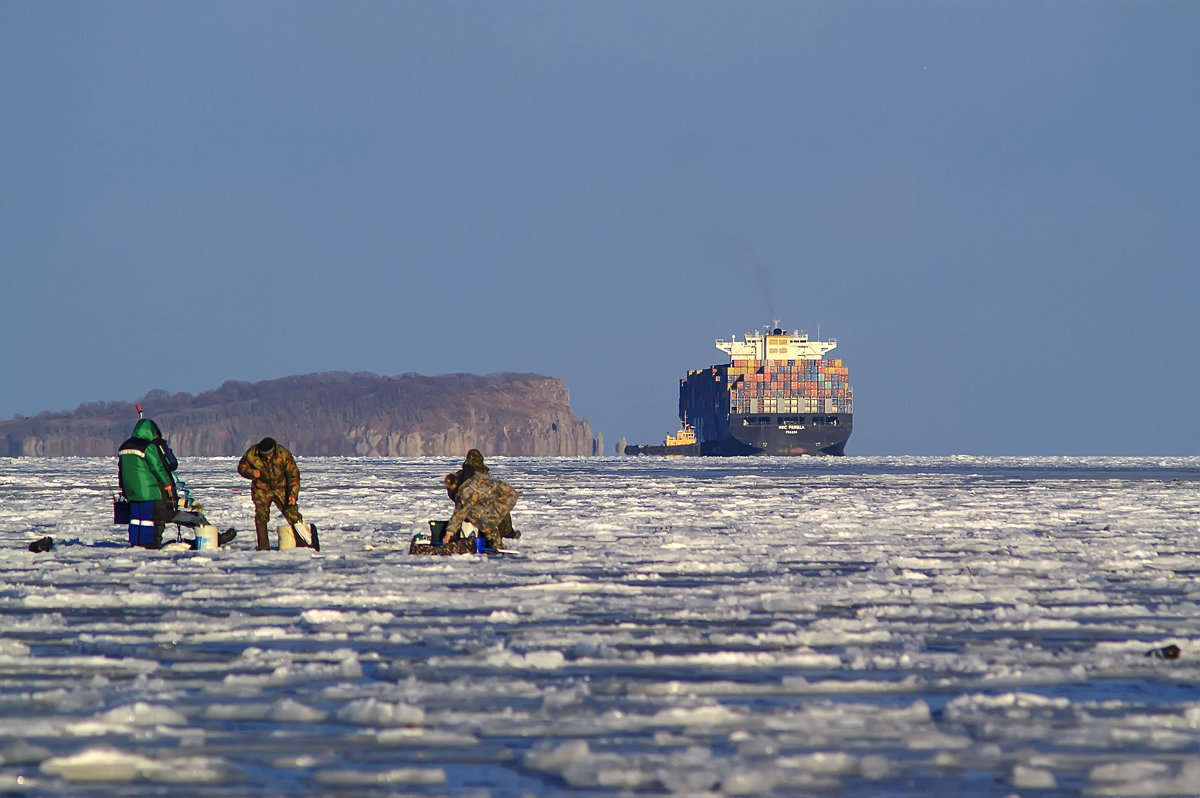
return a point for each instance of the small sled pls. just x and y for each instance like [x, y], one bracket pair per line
[468, 542]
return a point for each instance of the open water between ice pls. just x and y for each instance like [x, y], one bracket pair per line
[774, 627]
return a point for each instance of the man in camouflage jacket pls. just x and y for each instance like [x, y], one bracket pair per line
[452, 481]
[275, 480]
[480, 499]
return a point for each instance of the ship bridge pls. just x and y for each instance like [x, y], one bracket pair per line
[776, 344]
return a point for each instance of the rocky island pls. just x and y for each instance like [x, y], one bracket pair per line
[330, 414]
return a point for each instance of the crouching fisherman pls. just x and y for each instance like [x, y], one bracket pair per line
[452, 481]
[144, 465]
[482, 500]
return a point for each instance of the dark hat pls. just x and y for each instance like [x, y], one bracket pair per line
[474, 460]
[266, 446]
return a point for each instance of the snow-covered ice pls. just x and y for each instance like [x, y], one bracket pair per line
[858, 626]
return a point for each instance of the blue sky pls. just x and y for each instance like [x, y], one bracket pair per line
[994, 207]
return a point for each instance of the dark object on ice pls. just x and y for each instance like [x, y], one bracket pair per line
[456, 546]
[39, 546]
[120, 512]
[437, 530]
[1166, 652]
[301, 542]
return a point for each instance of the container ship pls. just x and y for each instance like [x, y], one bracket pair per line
[778, 395]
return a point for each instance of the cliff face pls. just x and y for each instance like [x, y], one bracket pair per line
[330, 414]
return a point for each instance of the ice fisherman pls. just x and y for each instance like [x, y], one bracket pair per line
[144, 466]
[275, 479]
[481, 499]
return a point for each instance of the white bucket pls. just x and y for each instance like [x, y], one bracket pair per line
[287, 537]
[206, 537]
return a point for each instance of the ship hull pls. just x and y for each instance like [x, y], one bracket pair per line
[747, 435]
[781, 436]
[660, 450]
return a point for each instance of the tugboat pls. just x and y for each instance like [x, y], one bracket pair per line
[682, 444]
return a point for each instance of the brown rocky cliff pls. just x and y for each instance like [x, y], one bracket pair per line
[330, 414]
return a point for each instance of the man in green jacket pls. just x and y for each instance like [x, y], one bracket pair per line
[275, 479]
[146, 483]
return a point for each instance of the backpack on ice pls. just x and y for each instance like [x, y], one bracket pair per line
[168, 457]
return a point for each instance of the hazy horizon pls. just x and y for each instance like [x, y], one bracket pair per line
[991, 206]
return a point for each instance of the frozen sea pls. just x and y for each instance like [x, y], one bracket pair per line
[772, 627]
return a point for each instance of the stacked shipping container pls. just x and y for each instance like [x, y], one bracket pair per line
[818, 386]
[789, 386]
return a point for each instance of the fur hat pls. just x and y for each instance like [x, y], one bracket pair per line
[266, 446]
[475, 461]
